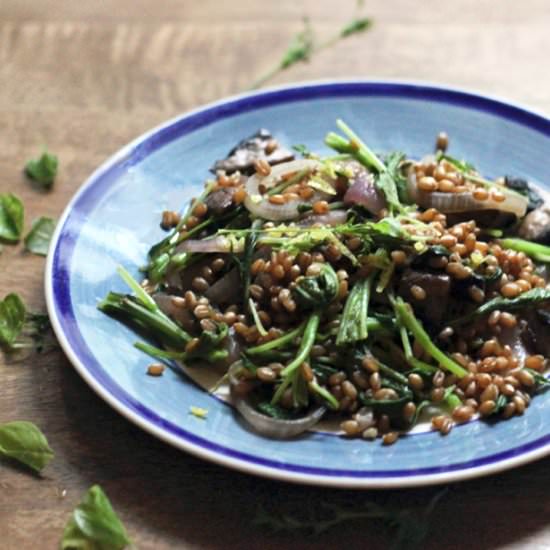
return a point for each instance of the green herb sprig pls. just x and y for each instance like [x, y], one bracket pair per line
[302, 46]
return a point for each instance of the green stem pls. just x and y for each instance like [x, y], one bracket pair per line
[308, 340]
[373, 160]
[140, 293]
[409, 356]
[538, 252]
[161, 326]
[325, 394]
[158, 353]
[406, 316]
[294, 179]
[278, 342]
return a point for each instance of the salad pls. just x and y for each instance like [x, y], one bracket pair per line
[378, 290]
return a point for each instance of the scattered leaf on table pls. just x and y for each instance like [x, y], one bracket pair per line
[12, 318]
[94, 525]
[38, 239]
[24, 442]
[11, 217]
[43, 170]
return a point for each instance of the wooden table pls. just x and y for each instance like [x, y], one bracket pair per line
[84, 78]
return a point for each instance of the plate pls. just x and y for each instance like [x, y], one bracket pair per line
[114, 218]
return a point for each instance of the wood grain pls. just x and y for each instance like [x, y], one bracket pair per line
[84, 78]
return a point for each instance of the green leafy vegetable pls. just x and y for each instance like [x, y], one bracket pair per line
[43, 170]
[353, 324]
[410, 525]
[299, 49]
[11, 217]
[410, 322]
[12, 319]
[302, 46]
[529, 298]
[316, 291]
[94, 525]
[355, 26]
[244, 265]
[393, 163]
[24, 442]
[385, 179]
[538, 252]
[524, 188]
[38, 239]
[541, 382]
[274, 411]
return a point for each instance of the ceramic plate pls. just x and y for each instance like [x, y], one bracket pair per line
[114, 219]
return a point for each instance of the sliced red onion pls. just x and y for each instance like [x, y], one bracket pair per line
[332, 218]
[452, 203]
[216, 244]
[259, 204]
[264, 425]
[364, 192]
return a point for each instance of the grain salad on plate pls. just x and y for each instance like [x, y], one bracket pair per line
[379, 290]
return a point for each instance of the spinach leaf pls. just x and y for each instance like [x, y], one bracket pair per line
[12, 319]
[541, 382]
[531, 297]
[11, 217]
[24, 442]
[94, 525]
[316, 291]
[275, 411]
[38, 239]
[42, 170]
[523, 187]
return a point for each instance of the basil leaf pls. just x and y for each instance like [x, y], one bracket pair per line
[42, 170]
[38, 239]
[94, 525]
[11, 217]
[12, 318]
[24, 442]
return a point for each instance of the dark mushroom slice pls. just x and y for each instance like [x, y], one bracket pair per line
[535, 327]
[536, 225]
[260, 146]
[436, 289]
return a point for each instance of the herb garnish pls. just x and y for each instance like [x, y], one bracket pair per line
[410, 525]
[302, 46]
[43, 170]
[94, 525]
[11, 217]
[24, 442]
[38, 239]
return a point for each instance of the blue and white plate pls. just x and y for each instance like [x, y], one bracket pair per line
[114, 219]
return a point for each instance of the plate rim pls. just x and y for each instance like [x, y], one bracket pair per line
[280, 471]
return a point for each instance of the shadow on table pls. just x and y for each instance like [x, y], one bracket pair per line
[170, 498]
